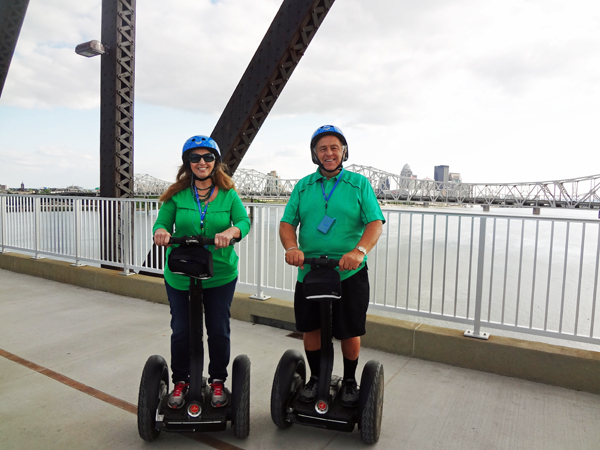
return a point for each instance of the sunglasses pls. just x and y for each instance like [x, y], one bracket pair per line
[207, 157]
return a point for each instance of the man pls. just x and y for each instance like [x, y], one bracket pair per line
[339, 217]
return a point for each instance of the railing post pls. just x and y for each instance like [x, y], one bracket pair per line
[125, 233]
[37, 215]
[260, 255]
[476, 333]
[77, 205]
[3, 219]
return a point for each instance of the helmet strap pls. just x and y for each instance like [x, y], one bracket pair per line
[330, 171]
[194, 177]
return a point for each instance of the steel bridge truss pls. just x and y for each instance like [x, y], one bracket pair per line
[280, 51]
[12, 15]
[148, 186]
[581, 192]
[116, 108]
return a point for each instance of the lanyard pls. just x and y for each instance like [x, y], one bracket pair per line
[203, 213]
[328, 196]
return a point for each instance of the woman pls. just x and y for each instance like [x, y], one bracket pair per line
[202, 201]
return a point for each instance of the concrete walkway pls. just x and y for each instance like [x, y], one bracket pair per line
[71, 360]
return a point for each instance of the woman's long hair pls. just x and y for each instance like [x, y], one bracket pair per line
[184, 180]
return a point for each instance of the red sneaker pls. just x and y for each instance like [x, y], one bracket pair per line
[220, 395]
[177, 397]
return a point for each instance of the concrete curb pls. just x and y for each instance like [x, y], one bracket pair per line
[534, 361]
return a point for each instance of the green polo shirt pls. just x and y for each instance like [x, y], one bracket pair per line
[180, 216]
[353, 204]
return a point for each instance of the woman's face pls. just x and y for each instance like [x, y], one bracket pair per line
[202, 169]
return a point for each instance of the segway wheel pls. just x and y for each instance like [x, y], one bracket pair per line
[240, 397]
[370, 402]
[153, 387]
[289, 376]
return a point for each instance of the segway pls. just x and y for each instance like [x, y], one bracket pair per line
[197, 415]
[327, 410]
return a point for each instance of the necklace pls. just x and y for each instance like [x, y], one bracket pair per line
[203, 212]
[205, 196]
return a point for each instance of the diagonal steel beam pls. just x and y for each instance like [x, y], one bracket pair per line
[12, 14]
[277, 56]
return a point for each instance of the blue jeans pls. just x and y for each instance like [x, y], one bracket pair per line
[217, 302]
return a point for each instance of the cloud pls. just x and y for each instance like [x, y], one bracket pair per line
[458, 82]
[50, 166]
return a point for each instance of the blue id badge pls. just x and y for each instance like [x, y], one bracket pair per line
[326, 224]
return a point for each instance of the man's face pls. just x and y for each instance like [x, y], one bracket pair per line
[330, 152]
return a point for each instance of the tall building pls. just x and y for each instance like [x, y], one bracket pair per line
[455, 177]
[407, 172]
[441, 173]
[272, 182]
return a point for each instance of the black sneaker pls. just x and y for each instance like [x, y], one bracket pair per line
[308, 393]
[349, 393]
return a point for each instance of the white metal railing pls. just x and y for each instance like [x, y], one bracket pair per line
[528, 274]
[82, 229]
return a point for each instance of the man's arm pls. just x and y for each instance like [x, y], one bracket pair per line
[354, 258]
[294, 256]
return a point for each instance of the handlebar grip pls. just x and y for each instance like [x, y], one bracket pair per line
[197, 240]
[322, 261]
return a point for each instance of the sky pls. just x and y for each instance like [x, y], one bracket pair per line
[500, 91]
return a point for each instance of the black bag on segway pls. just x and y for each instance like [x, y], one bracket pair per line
[192, 261]
[322, 283]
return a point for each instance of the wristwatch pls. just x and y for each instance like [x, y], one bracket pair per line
[361, 249]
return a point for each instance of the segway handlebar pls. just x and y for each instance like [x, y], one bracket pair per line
[196, 240]
[322, 261]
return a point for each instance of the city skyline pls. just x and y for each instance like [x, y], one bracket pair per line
[272, 172]
[406, 172]
[489, 88]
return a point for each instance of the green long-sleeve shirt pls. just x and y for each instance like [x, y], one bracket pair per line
[180, 216]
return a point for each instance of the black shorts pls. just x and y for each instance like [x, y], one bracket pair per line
[349, 312]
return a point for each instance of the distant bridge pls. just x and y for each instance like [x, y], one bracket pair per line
[581, 192]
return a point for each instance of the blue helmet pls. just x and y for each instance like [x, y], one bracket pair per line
[201, 142]
[327, 130]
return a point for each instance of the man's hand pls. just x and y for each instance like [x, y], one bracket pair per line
[295, 257]
[351, 260]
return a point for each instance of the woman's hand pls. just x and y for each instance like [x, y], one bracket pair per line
[223, 239]
[161, 237]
